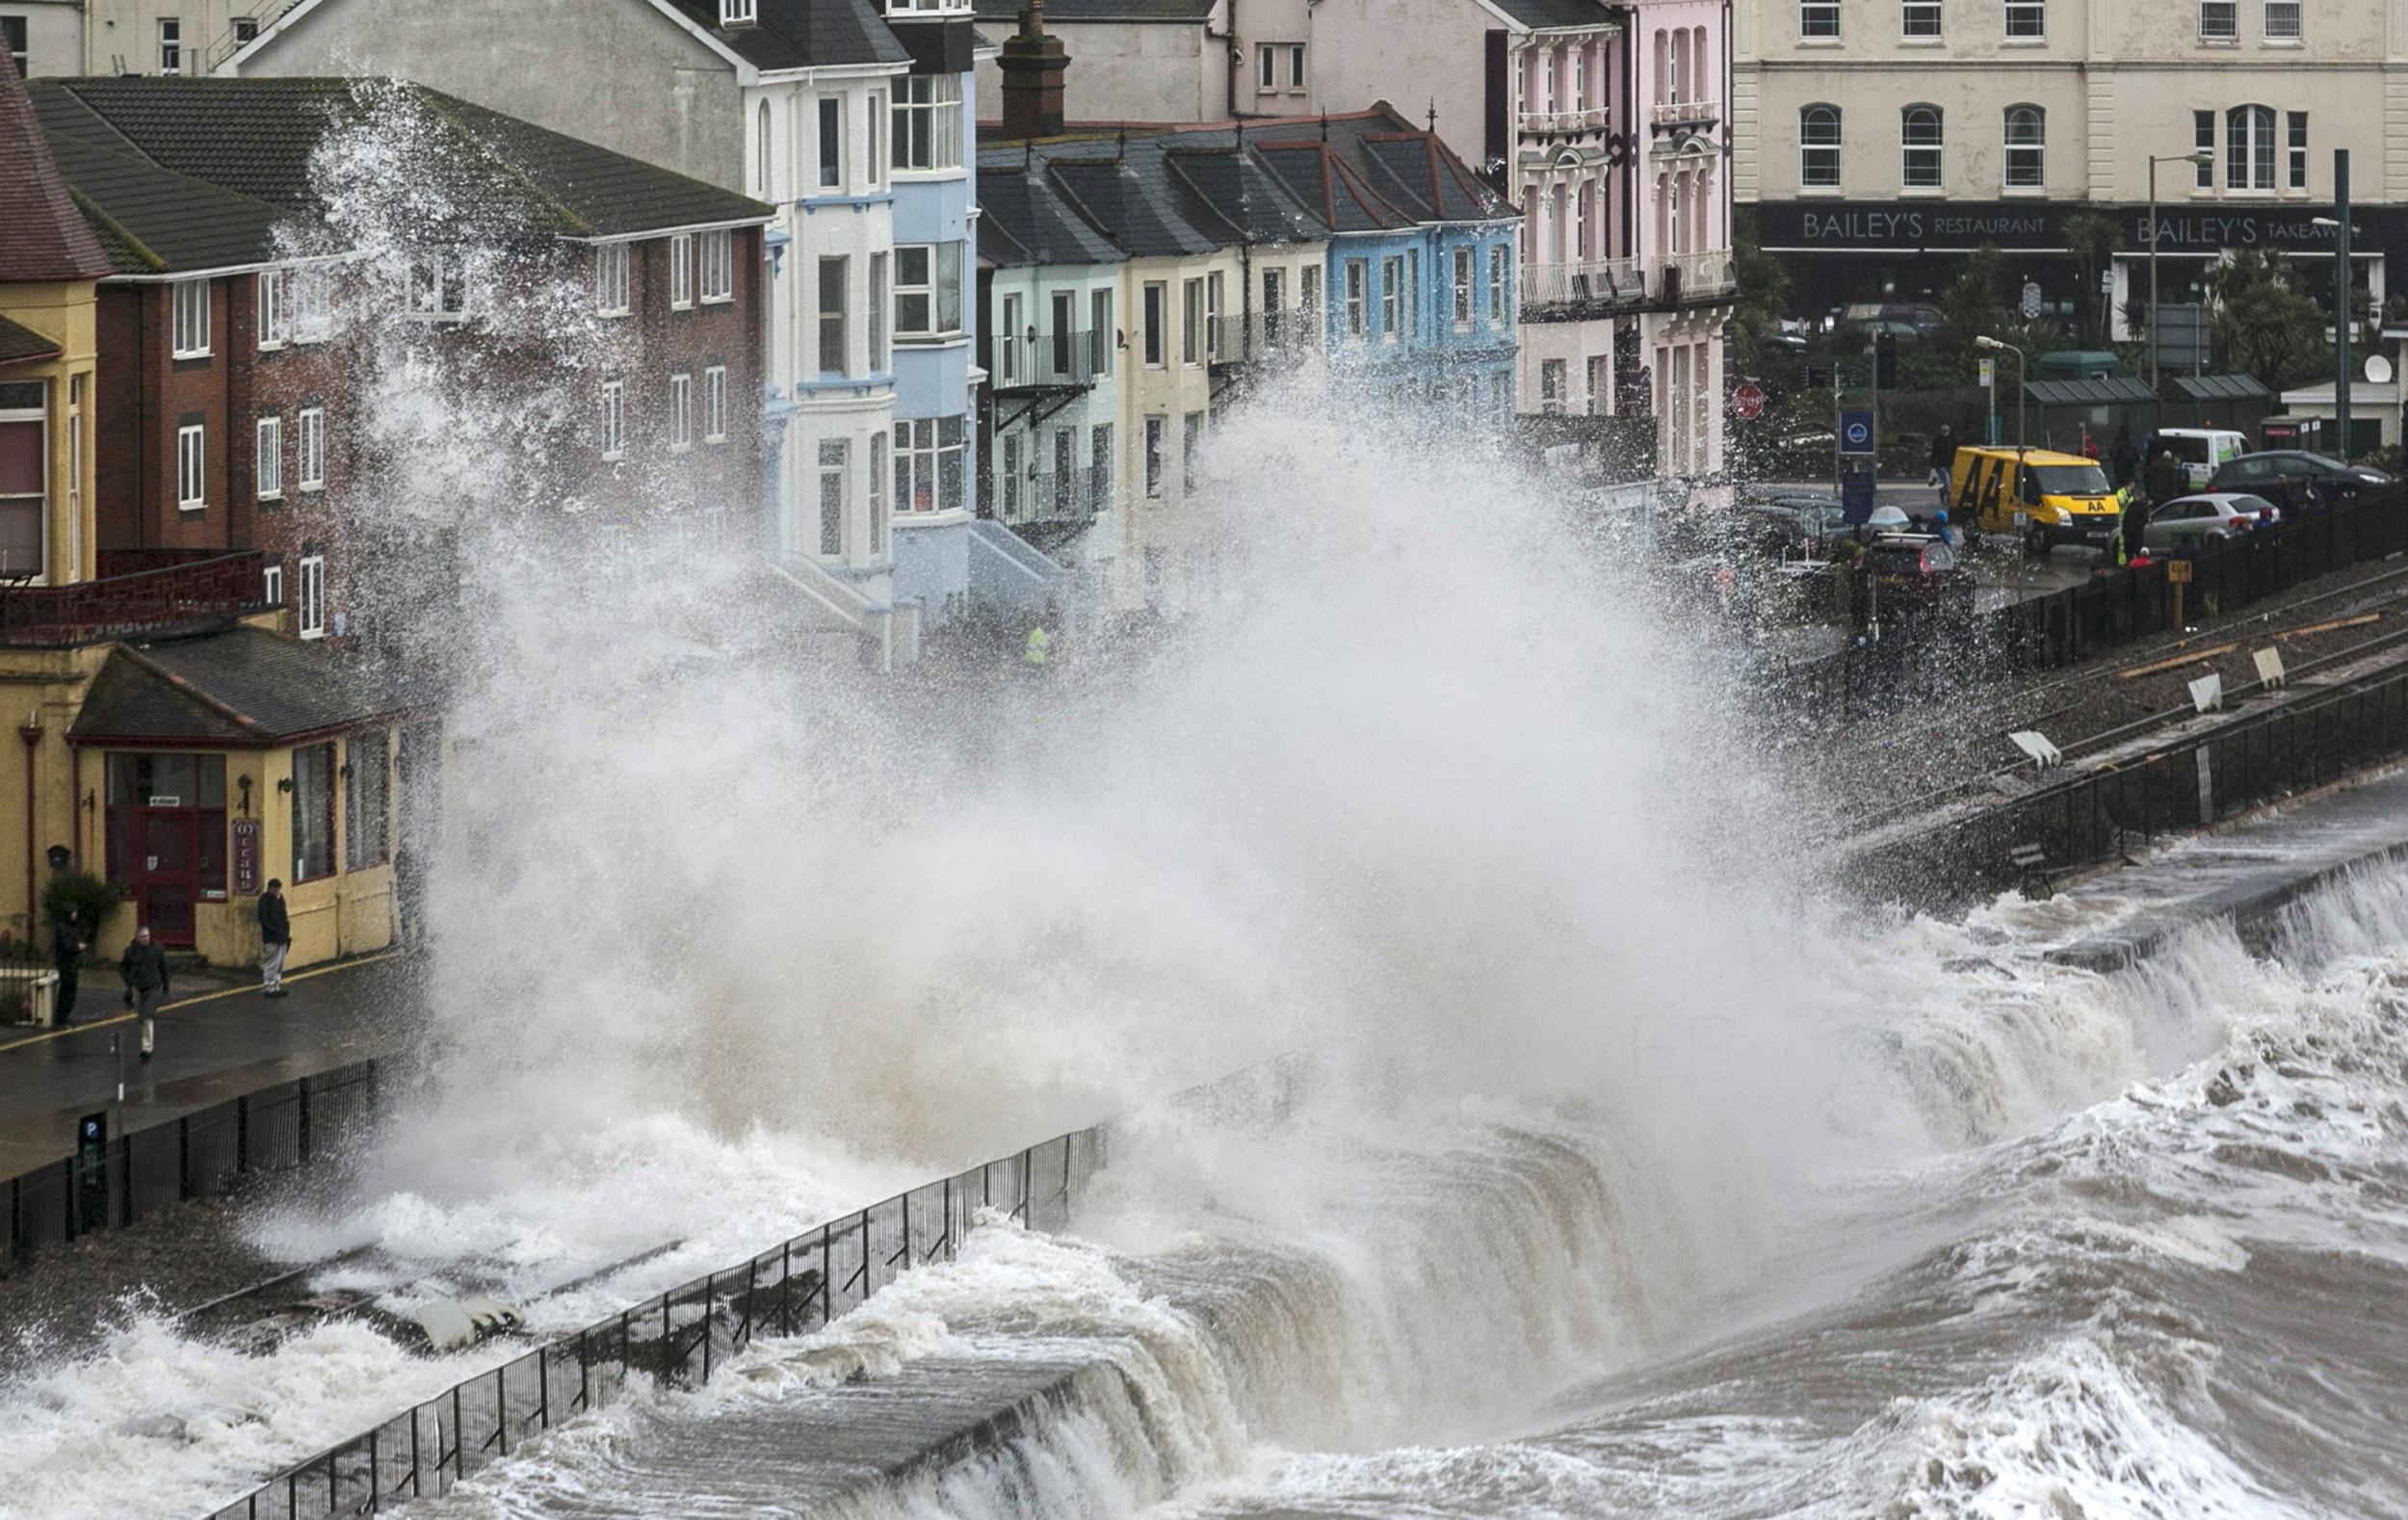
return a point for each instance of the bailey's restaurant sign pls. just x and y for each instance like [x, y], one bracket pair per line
[2040, 226]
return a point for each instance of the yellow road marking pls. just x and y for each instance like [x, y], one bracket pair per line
[204, 997]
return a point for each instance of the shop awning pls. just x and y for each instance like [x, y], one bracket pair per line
[2117, 391]
[2219, 387]
[241, 689]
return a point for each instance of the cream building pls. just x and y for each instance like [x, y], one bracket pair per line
[1876, 137]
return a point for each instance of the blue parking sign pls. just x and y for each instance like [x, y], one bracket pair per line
[1856, 433]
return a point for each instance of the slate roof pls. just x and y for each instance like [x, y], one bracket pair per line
[244, 688]
[1025, 217]
[1129, 200]
[802, 33]
[1243, 193]
[1541, 16]
[19, 344]
[48, 240]
[1195, 12]
[178, 174]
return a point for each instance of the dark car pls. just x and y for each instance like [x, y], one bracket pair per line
[1917, 568]
[2295, 478]
[1801, 523]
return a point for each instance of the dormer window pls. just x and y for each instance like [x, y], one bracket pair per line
[738, 13]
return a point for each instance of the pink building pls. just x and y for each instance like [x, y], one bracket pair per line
[1606, 124]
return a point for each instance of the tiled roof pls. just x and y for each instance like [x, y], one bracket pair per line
[1024, 217]
[19, 343]
[47, 239]
[1541, 16]
[802, 33]
[240, 688]
[1127, 199]
[199, 173]
[1243, 193]
[1193, 11]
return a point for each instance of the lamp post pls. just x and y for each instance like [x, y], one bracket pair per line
[2198, 158]
[1995, 346]
[2342, 280]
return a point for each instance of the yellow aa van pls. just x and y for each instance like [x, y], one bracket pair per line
[2050, 498]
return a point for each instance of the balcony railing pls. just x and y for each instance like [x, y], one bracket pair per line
[1264, 337]
[1602, 282]
[1041, 359]
[1695, 276]
[1688, 112]
[1048, 498]
[1555, 121]
[88, 612]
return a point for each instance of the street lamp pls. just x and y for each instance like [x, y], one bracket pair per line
[2200, 158]
[1995, 346]
[2344, 283]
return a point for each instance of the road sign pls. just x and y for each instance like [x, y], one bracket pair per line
[2178, 572]
[1856, 433]
[1747, 403]
[1856, 495]
[1989, 373]
[2031, 308]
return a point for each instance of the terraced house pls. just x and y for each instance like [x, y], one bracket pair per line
[1141, 281]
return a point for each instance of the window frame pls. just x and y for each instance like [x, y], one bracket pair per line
[1390, 298]
[1926, 12]
[1155, 337]
[307, 782]
[832, 325]
[1297, 71]
[924, 453]
[715, 274]
[2034, 13]
[2219, 20]
[309, 610]
[1909, 148]
[715, 404]
[367, 799]
[680, 412]
[1819, 21]
[1465, 270]
[1358, 299]
[681, 272]
[2247, 151]
[309, 450]
[833, 468]
[924, 113]
[188, 302]
[829, 136]
[1266, 66]
[171, 45]
[267, 468]
[276, 314]
[1191, 451]
[613, 439]
[1191, 321]
[192, 466]
[2205, 139]
[1809, 116]
[439, 288]
[2035, 150]
[1499, 291]
[612, 295]
[942, 285]
[2296, 149]
[1157, 442]
[2294, 31]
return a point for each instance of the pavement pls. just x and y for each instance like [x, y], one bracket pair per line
[220, 1039]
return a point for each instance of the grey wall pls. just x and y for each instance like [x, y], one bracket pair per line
[613, 73]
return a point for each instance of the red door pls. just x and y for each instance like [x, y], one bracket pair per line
[167, 873]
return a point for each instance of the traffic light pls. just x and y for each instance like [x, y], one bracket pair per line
[1885, 361]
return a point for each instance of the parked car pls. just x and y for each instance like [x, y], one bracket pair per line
[2295, 478]
[2200, 451]
[1916, 568]
[2193, 519]
[1800, 523]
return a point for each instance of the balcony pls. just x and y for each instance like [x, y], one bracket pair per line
[1035, 363]
[1688, 113]
[1269, 338]
[1557, 124]
[1052, 501]
[1588, 286]
[143, 591]
[1692, 277]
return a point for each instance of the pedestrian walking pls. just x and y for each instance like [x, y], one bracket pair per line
[1943, 458]
[145, 968]
[275, 937]
[66, 957]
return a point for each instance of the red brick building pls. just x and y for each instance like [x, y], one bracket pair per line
[227, 417]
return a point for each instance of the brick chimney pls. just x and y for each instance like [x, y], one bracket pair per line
[1034, 64]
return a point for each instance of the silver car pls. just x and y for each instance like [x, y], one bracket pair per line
[2211, 515]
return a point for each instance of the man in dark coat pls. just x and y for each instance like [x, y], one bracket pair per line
[275, 937]
[2165, 478]
[145, 968]
[66, 955]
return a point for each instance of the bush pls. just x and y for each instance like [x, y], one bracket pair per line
[81, 895]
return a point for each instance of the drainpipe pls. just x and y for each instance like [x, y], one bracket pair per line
[31, 733]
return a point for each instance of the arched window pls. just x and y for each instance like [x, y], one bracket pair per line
[1818, 147]
[1919, 143]
[2249, 147]
[762, 149]
[2026, 146]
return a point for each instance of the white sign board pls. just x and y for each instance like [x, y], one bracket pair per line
[2207, 693]
[1989, 373]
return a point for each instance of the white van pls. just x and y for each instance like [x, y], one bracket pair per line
[2200, 451]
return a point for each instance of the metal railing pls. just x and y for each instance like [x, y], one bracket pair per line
[681, 1337]
[1562, 120]
[1593, 282]
[133, 1175]
[1688, 276]
[2101, 614]
[2192, 783]
[87, 611]
[1049, 497]
[1052, 358]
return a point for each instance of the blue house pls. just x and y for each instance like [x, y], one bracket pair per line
[932, 143]
[1421, 259]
